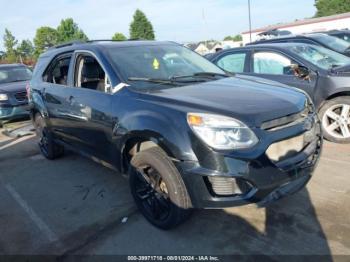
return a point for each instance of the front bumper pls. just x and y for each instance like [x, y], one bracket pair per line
[263, 179]
[9, 112]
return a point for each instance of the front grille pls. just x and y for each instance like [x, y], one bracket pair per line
[21, 96]
[286, 121]
[291, 147]
[289, 120]
[286, 148]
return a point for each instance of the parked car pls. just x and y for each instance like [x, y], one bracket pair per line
[322, 73]
[334, 43]
[187, 135]
[342, 34]
[13, 95]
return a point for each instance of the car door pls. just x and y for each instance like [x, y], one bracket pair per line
[90, 106]
[276, 66]
[53, 92]
[234, 61]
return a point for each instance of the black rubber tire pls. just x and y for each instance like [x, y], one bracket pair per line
[1, 124]
[180, 207]
[322, 111]
[51, 150]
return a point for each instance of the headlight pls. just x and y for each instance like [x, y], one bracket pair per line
[221, 132]
[3, 97]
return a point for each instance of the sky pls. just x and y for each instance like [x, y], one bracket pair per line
[176, 20]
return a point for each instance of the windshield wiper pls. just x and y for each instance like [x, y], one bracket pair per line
[152, 80]
[19, 80]
[170, 81]
[210, 75]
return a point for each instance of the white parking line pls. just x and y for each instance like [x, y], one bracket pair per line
[51, 236]
[336, 160]
[15, 142]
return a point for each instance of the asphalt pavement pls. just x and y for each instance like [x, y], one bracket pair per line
[76, 206]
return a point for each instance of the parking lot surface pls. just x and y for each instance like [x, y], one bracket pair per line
[75, 206]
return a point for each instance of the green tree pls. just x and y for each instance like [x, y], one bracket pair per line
[68, 30]
[331, 7]
[26, 49]
[119, 37]
[45, 37]
[141, 27]
[2, 56]
[235, 38]
[10, 43]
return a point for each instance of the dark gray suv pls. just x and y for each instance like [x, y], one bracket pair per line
[320, 72]
[187, 134]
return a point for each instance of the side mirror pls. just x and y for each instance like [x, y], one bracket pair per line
[301, 71]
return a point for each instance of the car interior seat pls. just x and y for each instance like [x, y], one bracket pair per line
[93, 76]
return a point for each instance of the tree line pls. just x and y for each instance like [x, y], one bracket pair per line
[28, 51]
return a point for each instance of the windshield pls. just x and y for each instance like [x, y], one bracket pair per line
[159, 62]
[320, 56]
[332, 42]
[14, 74]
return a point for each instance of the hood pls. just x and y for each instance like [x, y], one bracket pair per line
[341, 69]
[13, 87]
[250, 101]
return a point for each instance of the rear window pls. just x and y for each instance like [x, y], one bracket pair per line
[57, 71]
[14, 74]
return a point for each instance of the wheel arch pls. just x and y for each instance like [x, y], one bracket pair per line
[138, 142]
[335, 95]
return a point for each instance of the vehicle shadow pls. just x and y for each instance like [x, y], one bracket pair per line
[291, 227]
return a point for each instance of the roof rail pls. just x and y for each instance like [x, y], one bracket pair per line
[75, 42]
[111, 40]
[102, 40]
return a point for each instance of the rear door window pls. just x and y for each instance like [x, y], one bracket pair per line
[233, 62]
[57, 72]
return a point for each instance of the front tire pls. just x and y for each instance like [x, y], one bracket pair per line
[335, 118]
[47, 145]
[158, 189]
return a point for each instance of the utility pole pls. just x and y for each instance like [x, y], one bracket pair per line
[250, 22]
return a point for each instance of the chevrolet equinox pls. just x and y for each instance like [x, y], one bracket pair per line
[187, 134]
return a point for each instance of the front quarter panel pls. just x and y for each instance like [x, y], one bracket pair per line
[144, 120]
[36, 103]
[330, 85]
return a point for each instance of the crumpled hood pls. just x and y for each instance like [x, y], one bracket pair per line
[13, 87]
[341, 70]
[249, 100]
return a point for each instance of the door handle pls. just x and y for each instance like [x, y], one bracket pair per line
[70, 99]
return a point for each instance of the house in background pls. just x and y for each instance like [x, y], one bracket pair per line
[212, 46]
[311, 25]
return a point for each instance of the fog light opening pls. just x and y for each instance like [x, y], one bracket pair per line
[228, 186]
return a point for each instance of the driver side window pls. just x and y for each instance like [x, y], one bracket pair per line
[271, 63]
[89, 74]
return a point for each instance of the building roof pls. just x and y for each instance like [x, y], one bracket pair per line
[301, 22]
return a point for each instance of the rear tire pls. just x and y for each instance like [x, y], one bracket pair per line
[335, 119]
[158, 189]
[47, 145]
